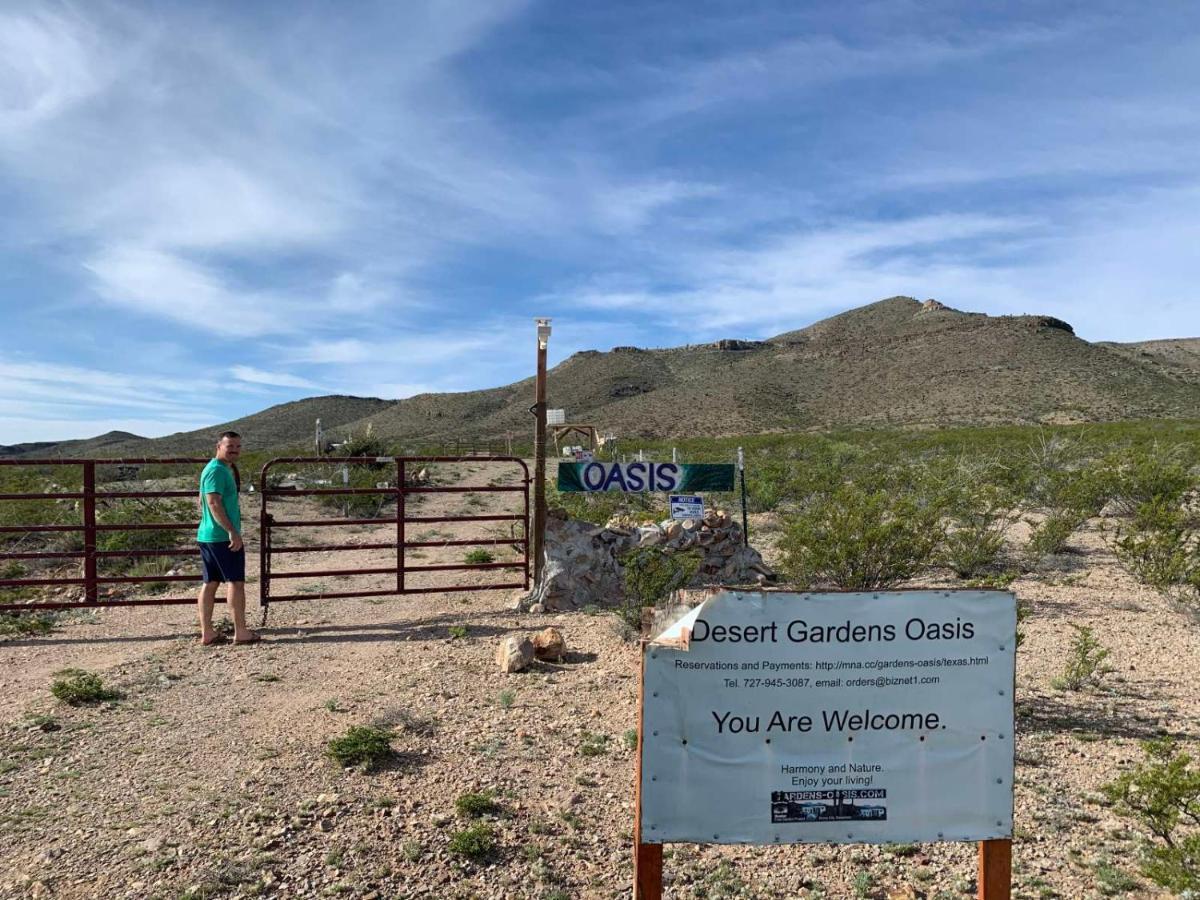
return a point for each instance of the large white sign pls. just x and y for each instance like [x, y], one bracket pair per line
[845, 718]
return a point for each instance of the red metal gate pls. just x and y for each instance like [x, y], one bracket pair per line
[82, 538]
[404, 488]
[77, 522]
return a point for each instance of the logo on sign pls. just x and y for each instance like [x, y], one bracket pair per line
[686, 506]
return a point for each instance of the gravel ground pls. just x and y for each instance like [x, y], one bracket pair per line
[208, 778]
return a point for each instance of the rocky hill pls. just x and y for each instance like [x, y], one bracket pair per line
[895, 362]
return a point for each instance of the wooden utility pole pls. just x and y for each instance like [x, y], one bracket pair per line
[539, 453]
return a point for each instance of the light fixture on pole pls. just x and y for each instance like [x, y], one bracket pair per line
[539, 452]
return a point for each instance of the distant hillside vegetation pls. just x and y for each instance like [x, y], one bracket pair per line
[896, 362]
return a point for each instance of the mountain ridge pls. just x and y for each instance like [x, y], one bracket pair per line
[895, 362]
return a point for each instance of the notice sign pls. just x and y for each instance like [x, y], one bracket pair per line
[686, 506]
[843, 718]
[638, 477]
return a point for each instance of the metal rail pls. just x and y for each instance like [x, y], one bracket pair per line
[86, 505]
[91, 528]
[268, 525]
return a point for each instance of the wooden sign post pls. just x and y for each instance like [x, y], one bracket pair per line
[995, 868]
[647, 858]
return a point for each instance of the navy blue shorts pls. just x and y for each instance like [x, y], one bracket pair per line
[219, 563]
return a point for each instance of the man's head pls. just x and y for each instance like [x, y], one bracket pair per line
[229, 447]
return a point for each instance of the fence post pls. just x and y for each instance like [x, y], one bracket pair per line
[400, 514]
[741, 463]
[91, 592]
[265, 521]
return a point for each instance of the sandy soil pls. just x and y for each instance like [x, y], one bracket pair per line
[208, 779]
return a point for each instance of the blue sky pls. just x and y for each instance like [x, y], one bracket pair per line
[208, 208]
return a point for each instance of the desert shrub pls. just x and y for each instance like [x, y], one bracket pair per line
[1159, 547]
[359, 506]
[366, 445]
[1084, 490]
[1162, 794]
[27, 624]
[14, 570]
[76, 687]
[593, 744]
[137, 512]
[767, 485]
[860, 539]
[149, 567]
[599, 507]
[1141, 477]
[1085, 664]
[479, 556]
[651, 575]
[21, 480]
[1023, 610]
[979, 518]
[1049, 536]
[1062, 474]
[363, 746]
[474, 804]
[476, 842]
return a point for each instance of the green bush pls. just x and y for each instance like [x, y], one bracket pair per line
[472, 805]
[476, 842]
[476, 557]
[860, 539]
[366, 446]
[1085, 665]
[651, 575]
[1049, 537]
[599, 507]
[363, 746]
[27, 624]
[137, 512]
[979, 519]
[593, 744]
[1162, 794]
[1140, 477]
[79, 688]
[1160, 545]
[365, 476]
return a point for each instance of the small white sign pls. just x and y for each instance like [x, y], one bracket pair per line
[556, 417]
[687, 506]
[775, 718]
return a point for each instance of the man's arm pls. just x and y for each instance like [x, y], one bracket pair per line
[217, 508]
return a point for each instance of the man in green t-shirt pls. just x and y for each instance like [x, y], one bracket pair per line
[222, 554]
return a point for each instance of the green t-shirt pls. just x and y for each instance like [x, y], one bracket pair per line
[217, 478]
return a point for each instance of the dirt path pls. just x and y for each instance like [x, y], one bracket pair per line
[208, 778]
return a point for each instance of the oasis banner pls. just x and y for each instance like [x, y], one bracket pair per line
[637, 477]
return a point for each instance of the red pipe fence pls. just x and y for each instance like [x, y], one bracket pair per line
[84, 538]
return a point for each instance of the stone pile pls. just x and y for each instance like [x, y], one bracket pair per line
[583, 561]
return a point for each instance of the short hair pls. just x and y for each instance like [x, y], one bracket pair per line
[228, 434]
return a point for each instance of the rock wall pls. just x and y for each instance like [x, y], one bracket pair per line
[583, 561]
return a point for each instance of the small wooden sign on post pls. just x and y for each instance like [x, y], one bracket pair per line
[847, 718]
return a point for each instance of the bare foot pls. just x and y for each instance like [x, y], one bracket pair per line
[247, 637]
[213, 637]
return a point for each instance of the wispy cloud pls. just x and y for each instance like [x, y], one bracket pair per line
[279, 379]
[379, 203]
